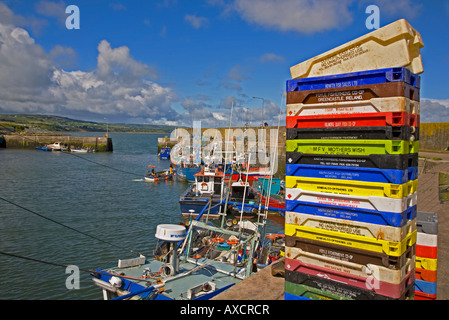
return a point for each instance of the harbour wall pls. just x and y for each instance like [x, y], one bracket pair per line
[434, 137]
[101, 144]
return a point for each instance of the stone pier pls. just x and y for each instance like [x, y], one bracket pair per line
[101, 144]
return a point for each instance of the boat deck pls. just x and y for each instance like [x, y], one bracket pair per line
[215, 273]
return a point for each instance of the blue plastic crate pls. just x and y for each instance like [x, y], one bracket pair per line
[289, 296]
[355, 79]
[426, 286]
[352, 173]
[394, 219]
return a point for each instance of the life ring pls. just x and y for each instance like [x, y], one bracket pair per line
[217, 240]
[204, 186]
[232, 241]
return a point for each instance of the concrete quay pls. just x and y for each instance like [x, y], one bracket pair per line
[263, 285]
[17, 141]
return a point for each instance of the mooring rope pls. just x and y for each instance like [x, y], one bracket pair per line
[66, 226]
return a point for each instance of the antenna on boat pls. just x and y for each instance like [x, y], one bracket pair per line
[244, 192]
[232, 169]
[271, 171]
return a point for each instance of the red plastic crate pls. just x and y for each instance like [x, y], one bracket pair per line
[419, 295]
[374, 119]
[426, 251]
[426, 275]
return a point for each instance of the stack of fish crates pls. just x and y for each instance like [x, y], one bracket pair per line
[426, 256]
[352, 176]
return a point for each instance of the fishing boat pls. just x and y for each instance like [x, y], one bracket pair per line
[214, 185]
[271, 191]
[164, 175]
[208, 186]
[165, 153]
[243, 200]
[186, 171]
[194, 263]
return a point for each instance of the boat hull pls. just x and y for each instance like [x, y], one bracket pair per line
[194, 207]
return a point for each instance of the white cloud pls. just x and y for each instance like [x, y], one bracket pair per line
[24, 65]
[52, 9]
[119, 87]
[63, 56]
[195, 21]
[311, 16]
[271, 57]
[295, 15]
[434, 110]
[7, 17]
[118, 63]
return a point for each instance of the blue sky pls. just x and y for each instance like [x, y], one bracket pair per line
[173, 61]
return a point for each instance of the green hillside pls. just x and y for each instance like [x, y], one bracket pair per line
[44, 123]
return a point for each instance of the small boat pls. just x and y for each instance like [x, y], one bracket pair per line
[43, 148]
[82, 150]
[164, 175]
[78, 150]
[57, 146]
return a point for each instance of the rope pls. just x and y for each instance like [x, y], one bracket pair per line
[66, 226]
[41, 261]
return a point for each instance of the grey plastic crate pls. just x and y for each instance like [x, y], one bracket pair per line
[427, 222]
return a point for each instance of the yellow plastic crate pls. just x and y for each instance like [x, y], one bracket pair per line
[356, 188]
[365, 229]
[426, 263]
[394, 45]
[390, 248]
[352, 147]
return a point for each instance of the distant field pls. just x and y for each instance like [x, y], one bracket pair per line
[36, 123]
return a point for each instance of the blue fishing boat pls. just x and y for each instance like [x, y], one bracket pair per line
[213, 185]
[271, 191]
[208, 186]
[43, 149]
[165, 153]
[186, 172]
[194, 263]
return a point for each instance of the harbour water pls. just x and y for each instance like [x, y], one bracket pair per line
[85, 210]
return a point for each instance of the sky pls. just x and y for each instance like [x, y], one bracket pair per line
[174, 62]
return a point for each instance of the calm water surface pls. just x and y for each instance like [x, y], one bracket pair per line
[86, 194]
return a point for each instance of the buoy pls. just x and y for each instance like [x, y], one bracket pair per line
[217, 240]
[232, 241]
